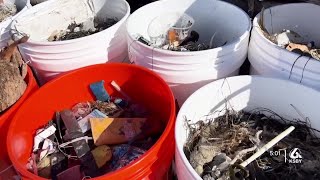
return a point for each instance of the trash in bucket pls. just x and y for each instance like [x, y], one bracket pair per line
[81, 19]
[173, 31]
[290, 40]
[99, 137]
[242, 132]
[91, 26]
[243, 143]
[162, 28]
[12, 72]
[7, 9]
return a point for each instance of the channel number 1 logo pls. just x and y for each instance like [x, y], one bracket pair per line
[294, 155]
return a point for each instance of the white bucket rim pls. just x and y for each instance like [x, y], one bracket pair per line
[234, 43]
[48, 43]
[179, 148]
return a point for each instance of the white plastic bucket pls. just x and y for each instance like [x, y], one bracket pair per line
[22, 5]
[51, 59]
[191, 70]
[243, 93]
[268, 59]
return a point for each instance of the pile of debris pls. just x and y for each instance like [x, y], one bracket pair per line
[251, 145]
[93, 138]
[190, 43]
[12, 73]
[291, 41]
[7, 10]
[87, 28]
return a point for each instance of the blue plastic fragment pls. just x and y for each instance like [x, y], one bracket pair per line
[99, 91]
[121, 103]
[124, 154]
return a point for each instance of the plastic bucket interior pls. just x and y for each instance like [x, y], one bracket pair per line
[268, 59]
[142, 85]
[224, 21]
[51, 59]
[242, 93]
[5, 120]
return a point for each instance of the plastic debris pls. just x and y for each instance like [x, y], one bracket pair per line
[84, 122]
[42, 135]
[143, 40]
[193, 37]
[287, 36]
[47, 148]
[116, 130]
[121, 103]
[107, 108]
[81, 109]
[58, 164]
[81, 147]
[117, 87]
[71, 152]
[124, 154]
[99, 91]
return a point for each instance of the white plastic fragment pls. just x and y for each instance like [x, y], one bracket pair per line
[75, 140]
[117, 87]
[84, 122]
[47, 148]
[288, 36]
[42, 136]
[268, 146]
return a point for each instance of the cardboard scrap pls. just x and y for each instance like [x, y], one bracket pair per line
[115, 130]
[122, 130]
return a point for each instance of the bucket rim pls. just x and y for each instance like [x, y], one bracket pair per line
[228, 45]
[70, 41]
[179, 148]
[257, 28]
[148, 154]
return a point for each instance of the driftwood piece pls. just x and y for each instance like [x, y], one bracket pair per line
[12, 73]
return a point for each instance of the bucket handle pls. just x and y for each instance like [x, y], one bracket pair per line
[131, 56]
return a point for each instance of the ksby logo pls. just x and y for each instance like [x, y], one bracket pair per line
[295, 156]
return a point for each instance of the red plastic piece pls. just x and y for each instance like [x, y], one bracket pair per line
[142, 85]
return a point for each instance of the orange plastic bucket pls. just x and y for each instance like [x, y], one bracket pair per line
[142, 85]
[5, 122]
